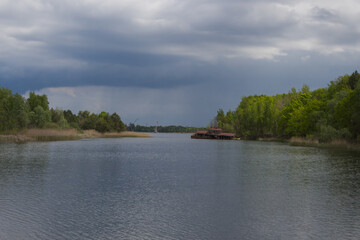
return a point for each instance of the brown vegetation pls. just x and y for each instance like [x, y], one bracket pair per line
[126, 134]
[303, 140]
[313, 142]
[336, 143]
[32, 135]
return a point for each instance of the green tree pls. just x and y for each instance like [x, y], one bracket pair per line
[341, 83]
[72, 119]
[13, 111]
[38, 100]
[115, 123]
[354, 79]
[39, 117]
[87, 120]
[220, 118]
[5, 95]
[20, 112]
[57, 117]
[102, 125]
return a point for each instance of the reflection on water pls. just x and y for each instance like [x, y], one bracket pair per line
[172, 187]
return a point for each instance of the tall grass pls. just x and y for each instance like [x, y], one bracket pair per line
[63, 134]
[51, 132]
[126, 134]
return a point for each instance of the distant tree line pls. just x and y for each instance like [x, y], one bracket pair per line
[325, 114]
[166, 129]
[18, 113]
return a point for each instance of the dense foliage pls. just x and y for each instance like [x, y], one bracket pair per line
[17, 113]
[325, 114]
[166, 129]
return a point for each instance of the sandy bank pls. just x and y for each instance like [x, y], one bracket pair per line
[33, 135]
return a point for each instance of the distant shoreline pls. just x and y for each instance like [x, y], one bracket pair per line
[43, 135]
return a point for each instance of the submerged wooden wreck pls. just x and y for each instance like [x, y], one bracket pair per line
[213, 133]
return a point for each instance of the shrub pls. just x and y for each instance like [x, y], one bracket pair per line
[328, 133]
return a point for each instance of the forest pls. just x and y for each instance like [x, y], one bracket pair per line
[326, 114]
[18, 113]
[166, 129]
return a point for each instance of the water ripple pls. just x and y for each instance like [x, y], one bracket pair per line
[172, 187]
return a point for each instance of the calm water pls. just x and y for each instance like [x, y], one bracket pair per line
[172, 187]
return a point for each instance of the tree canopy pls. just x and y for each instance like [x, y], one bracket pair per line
[326, 113]
[17, 113]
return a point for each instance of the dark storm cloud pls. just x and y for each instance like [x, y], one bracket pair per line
[163, 44]
[158, 72]
[209, 46]
[324, 14]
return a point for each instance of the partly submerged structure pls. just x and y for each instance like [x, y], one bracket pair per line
[213, 133]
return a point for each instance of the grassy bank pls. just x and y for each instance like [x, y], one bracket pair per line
[311, 142]
[336, 144]
[33, 135]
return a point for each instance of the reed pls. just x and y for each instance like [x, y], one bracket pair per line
[51, 132]
[126, 134]
[334, 144]
[42, 135]
[303, 140]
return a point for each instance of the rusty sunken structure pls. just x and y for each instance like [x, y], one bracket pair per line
[213, 133]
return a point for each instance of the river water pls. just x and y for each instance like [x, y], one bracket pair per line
[174, 187]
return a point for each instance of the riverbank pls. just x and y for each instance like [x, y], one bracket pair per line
[39, 135]
[307, 142]
[334, 144]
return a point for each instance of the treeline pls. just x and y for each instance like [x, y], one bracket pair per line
[166, 129]
[325, 114]
[18, 113]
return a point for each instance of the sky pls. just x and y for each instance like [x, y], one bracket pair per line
[173, 61]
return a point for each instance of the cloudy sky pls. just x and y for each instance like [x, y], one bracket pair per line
[173, 61]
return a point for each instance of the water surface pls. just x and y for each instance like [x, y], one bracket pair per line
[174, 187]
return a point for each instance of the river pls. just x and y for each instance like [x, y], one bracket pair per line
[174, 187]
